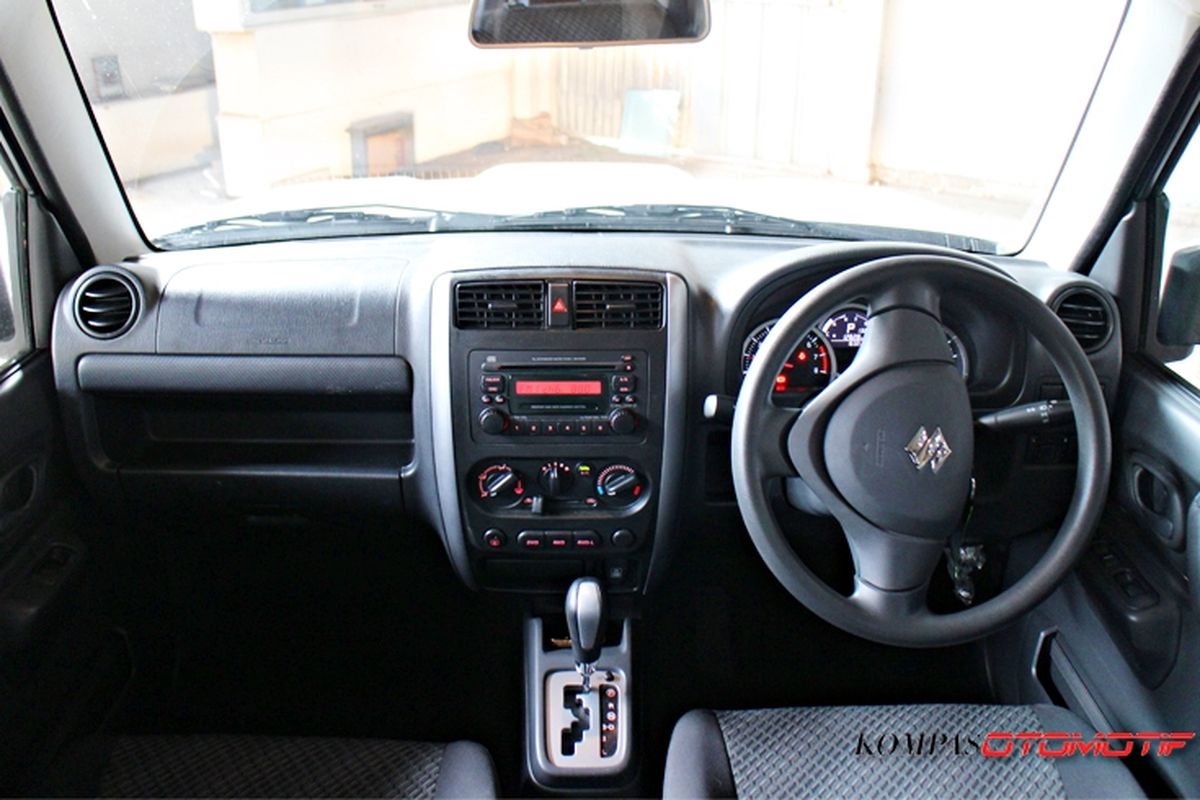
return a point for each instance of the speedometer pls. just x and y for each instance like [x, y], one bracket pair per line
[846, 328]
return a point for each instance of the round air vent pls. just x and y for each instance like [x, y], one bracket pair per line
[1086, 314]
[106, 305]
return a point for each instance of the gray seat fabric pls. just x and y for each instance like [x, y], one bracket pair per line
[915, 751]
[260, 766]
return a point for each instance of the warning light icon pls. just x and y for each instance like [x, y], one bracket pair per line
[559, 307]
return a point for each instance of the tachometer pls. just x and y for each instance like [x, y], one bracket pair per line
[808, 368]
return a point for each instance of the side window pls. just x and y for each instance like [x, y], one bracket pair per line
[14, 330]
[1183, 230]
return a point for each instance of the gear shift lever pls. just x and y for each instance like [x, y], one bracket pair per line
[585, 622]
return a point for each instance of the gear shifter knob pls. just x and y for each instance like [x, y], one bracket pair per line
[585, 620]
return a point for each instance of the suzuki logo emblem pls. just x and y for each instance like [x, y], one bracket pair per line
[924, 449]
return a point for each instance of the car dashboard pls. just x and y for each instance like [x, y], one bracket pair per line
[535, 398]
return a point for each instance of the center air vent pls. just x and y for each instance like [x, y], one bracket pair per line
[106, 305]
[612, 304]
[1086, 315]
[488, 304]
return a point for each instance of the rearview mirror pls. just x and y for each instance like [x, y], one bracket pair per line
[1179, 311]
[590, 23]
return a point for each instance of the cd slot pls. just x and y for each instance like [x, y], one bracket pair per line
[556, 366]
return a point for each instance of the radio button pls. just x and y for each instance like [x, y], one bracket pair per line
[551, 428]
[558, 540]
[585, 428]
[624, 384]
[568, 428]
[493, 384]
[486, 399]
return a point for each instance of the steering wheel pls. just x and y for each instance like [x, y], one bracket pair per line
[887, 447]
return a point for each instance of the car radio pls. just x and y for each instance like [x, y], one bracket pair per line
[550, 393]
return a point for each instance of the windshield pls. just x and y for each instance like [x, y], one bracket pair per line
[246, 120]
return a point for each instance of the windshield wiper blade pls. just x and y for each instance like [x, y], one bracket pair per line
[295, 223]
[727, 219]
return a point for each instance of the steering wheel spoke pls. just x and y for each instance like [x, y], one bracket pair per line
[890, 562]
[775, 426]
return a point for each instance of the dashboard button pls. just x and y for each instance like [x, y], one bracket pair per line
[494, 538]
[623, 538]
[558, 540]
[587, 539]
[530, 540]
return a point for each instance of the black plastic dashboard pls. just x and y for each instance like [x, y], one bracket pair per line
[332, 378]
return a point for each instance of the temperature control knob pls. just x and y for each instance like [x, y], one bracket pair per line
[493, 421]
[619, 484]
[556, 478]
[622, 421]
[500, 484]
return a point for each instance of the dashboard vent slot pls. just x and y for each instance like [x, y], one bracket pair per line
[106, 305]
[612, 304]
[1086, 315]
[488, 304]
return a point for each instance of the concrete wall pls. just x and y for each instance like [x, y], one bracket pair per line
[288, 91]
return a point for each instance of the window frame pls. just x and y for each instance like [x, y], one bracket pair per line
[17, 260]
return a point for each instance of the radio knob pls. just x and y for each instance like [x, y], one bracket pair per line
[556, 478]
[622, 421]
[493, 421]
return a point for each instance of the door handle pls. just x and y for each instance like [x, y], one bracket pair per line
[1157, 498]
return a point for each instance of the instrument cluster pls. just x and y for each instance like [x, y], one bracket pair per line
[826, 351]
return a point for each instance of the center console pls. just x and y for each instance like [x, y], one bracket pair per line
[557, 404]
[558, 416]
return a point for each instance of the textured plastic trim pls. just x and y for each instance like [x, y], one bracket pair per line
[244, 374]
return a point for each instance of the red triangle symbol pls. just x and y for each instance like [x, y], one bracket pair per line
[559, 307]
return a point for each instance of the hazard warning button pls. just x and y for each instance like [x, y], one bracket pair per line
[560, 305]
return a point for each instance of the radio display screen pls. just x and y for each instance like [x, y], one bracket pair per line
[558, 388]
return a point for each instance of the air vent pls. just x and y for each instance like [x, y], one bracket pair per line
[106, 305]
[1086, 314]
[609, 304]
[500, 305]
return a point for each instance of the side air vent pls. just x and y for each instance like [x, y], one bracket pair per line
[1087, 316]
[488, 304]
[612, 304]
[106, 305]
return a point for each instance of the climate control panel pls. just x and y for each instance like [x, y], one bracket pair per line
[557, 486]
[567, 505]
